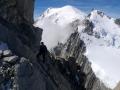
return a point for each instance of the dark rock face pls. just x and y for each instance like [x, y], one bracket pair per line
[22, 39]
[16, 29]
[26, 9]
[89, 27]
[16, 11]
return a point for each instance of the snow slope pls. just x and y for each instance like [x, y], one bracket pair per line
[103, 52]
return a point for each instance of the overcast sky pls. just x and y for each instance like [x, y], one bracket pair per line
[110, 7]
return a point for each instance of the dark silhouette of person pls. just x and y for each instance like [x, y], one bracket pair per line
[42, 51]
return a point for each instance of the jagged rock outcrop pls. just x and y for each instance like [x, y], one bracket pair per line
[75, 47]
[16, 29]
[17, 11]
[18, 73]
[23, 39]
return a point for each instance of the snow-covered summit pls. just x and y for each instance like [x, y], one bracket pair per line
[64, 10]
[97, 13]
[62, 15]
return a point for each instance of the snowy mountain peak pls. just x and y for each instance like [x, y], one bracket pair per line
[66, 9]
[97, 12]
[62, 15]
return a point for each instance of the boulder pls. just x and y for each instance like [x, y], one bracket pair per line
[11, 59]
[7, 53]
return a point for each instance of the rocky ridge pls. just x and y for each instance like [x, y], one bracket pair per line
[75, 47]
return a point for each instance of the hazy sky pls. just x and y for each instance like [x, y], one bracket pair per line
[111, 7]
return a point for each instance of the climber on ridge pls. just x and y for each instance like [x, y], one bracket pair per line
[42, 51]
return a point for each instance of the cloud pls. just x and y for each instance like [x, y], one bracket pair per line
[54, 33]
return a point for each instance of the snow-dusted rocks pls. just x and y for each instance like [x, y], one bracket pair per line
[8, 57]
[7, 53]
[7, 63]
[107, 29]
[11, 59]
